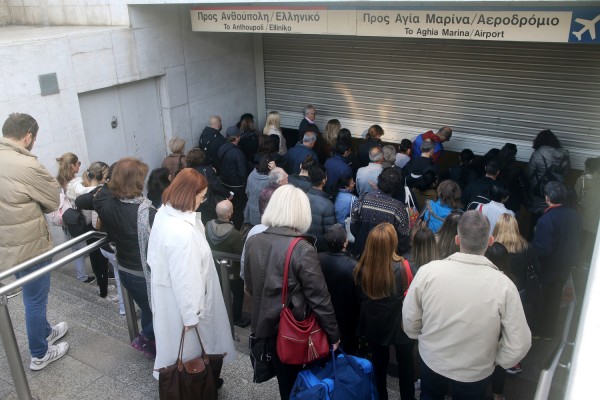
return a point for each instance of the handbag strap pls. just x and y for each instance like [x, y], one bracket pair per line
[409, 275]
[288, 257]
[180, 354]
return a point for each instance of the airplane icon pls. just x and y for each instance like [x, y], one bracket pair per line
[588, 25]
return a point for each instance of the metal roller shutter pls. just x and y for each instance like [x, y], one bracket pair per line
[488, 92]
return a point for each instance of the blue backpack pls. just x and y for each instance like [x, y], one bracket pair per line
[342, 377]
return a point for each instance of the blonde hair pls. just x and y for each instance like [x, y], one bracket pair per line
[507, 233]
[97, 170]
[331, 131]
[176, 145]
[65, 172]
[273, 120]
[289, 207]
[374, 271]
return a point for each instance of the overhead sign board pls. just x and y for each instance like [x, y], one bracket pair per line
[577, 25]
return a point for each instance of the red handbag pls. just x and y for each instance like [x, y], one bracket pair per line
[298, 342]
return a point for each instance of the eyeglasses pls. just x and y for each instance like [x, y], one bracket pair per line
[31, 127]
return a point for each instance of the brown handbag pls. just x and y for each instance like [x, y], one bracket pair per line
[298, 342]
[193, 379]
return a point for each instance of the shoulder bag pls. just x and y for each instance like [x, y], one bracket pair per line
[298, 342]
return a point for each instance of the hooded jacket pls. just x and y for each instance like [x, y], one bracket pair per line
[28, 191]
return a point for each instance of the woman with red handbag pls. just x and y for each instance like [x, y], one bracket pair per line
[284, 309]
[383, 278]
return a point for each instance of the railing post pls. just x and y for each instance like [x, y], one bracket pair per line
[11, 348]
[130, 315]
[226, 289]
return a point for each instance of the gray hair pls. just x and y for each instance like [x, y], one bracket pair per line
[288, 207]
[389, 153]
[375, 154]
[556, 192]
[309, 137]
[473, 232]
[427, 146]
[276, 175]
[308, 108]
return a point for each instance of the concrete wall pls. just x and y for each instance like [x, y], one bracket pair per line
[4, 13]
[68, 12]
[199, 75]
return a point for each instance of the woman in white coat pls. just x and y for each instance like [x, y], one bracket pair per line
[185, 286]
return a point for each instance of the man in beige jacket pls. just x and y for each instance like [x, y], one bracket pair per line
[28, 191]
[467, 316]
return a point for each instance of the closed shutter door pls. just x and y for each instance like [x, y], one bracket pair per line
[488, 92]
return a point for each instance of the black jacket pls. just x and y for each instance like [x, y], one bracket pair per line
[305, 125]
[478, 191]
[323, 216]
[210, 141]
[264, 263]
[556, 241]
[416, 167]
[120, 220]
[232, 165]
[364, 149]
[380, 320]
[216, 192]
[300, 181]
[337, 270]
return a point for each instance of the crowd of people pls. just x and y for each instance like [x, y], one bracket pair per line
[395, 249]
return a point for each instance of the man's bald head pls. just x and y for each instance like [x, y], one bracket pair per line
[215, 122]
[224, 210]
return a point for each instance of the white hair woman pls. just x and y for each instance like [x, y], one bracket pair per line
[273, 127]
[287, 216]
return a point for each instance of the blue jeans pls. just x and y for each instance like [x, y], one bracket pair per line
[136, 286]
[434, 386]
[35, 300]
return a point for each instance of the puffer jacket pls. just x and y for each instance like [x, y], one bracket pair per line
[28, 191]
[323, 216]
[558, 158]
[120, 221]
[264, 261]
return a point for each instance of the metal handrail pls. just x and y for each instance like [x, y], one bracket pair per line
[7, 332]
[51, 253]
[547, 374]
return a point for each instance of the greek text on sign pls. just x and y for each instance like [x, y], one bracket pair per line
[577, 25]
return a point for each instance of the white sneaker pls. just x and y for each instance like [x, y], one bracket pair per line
[59, 330]
[113, 298]
[54, 353]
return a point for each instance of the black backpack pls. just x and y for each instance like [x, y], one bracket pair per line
[75, 222]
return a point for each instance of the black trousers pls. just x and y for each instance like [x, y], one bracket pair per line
[237, 290]
[498, 379]
[100, 268]
[406, 369]
[286, 376]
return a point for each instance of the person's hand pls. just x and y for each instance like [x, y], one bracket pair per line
[336, 345]
[187, 328]
[271, 165]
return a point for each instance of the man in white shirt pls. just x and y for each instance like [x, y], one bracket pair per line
[467, 316]
[366, 177]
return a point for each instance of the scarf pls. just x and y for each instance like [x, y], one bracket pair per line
[431, 136]
[143, 231]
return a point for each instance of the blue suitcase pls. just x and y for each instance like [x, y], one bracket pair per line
[342, 377]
